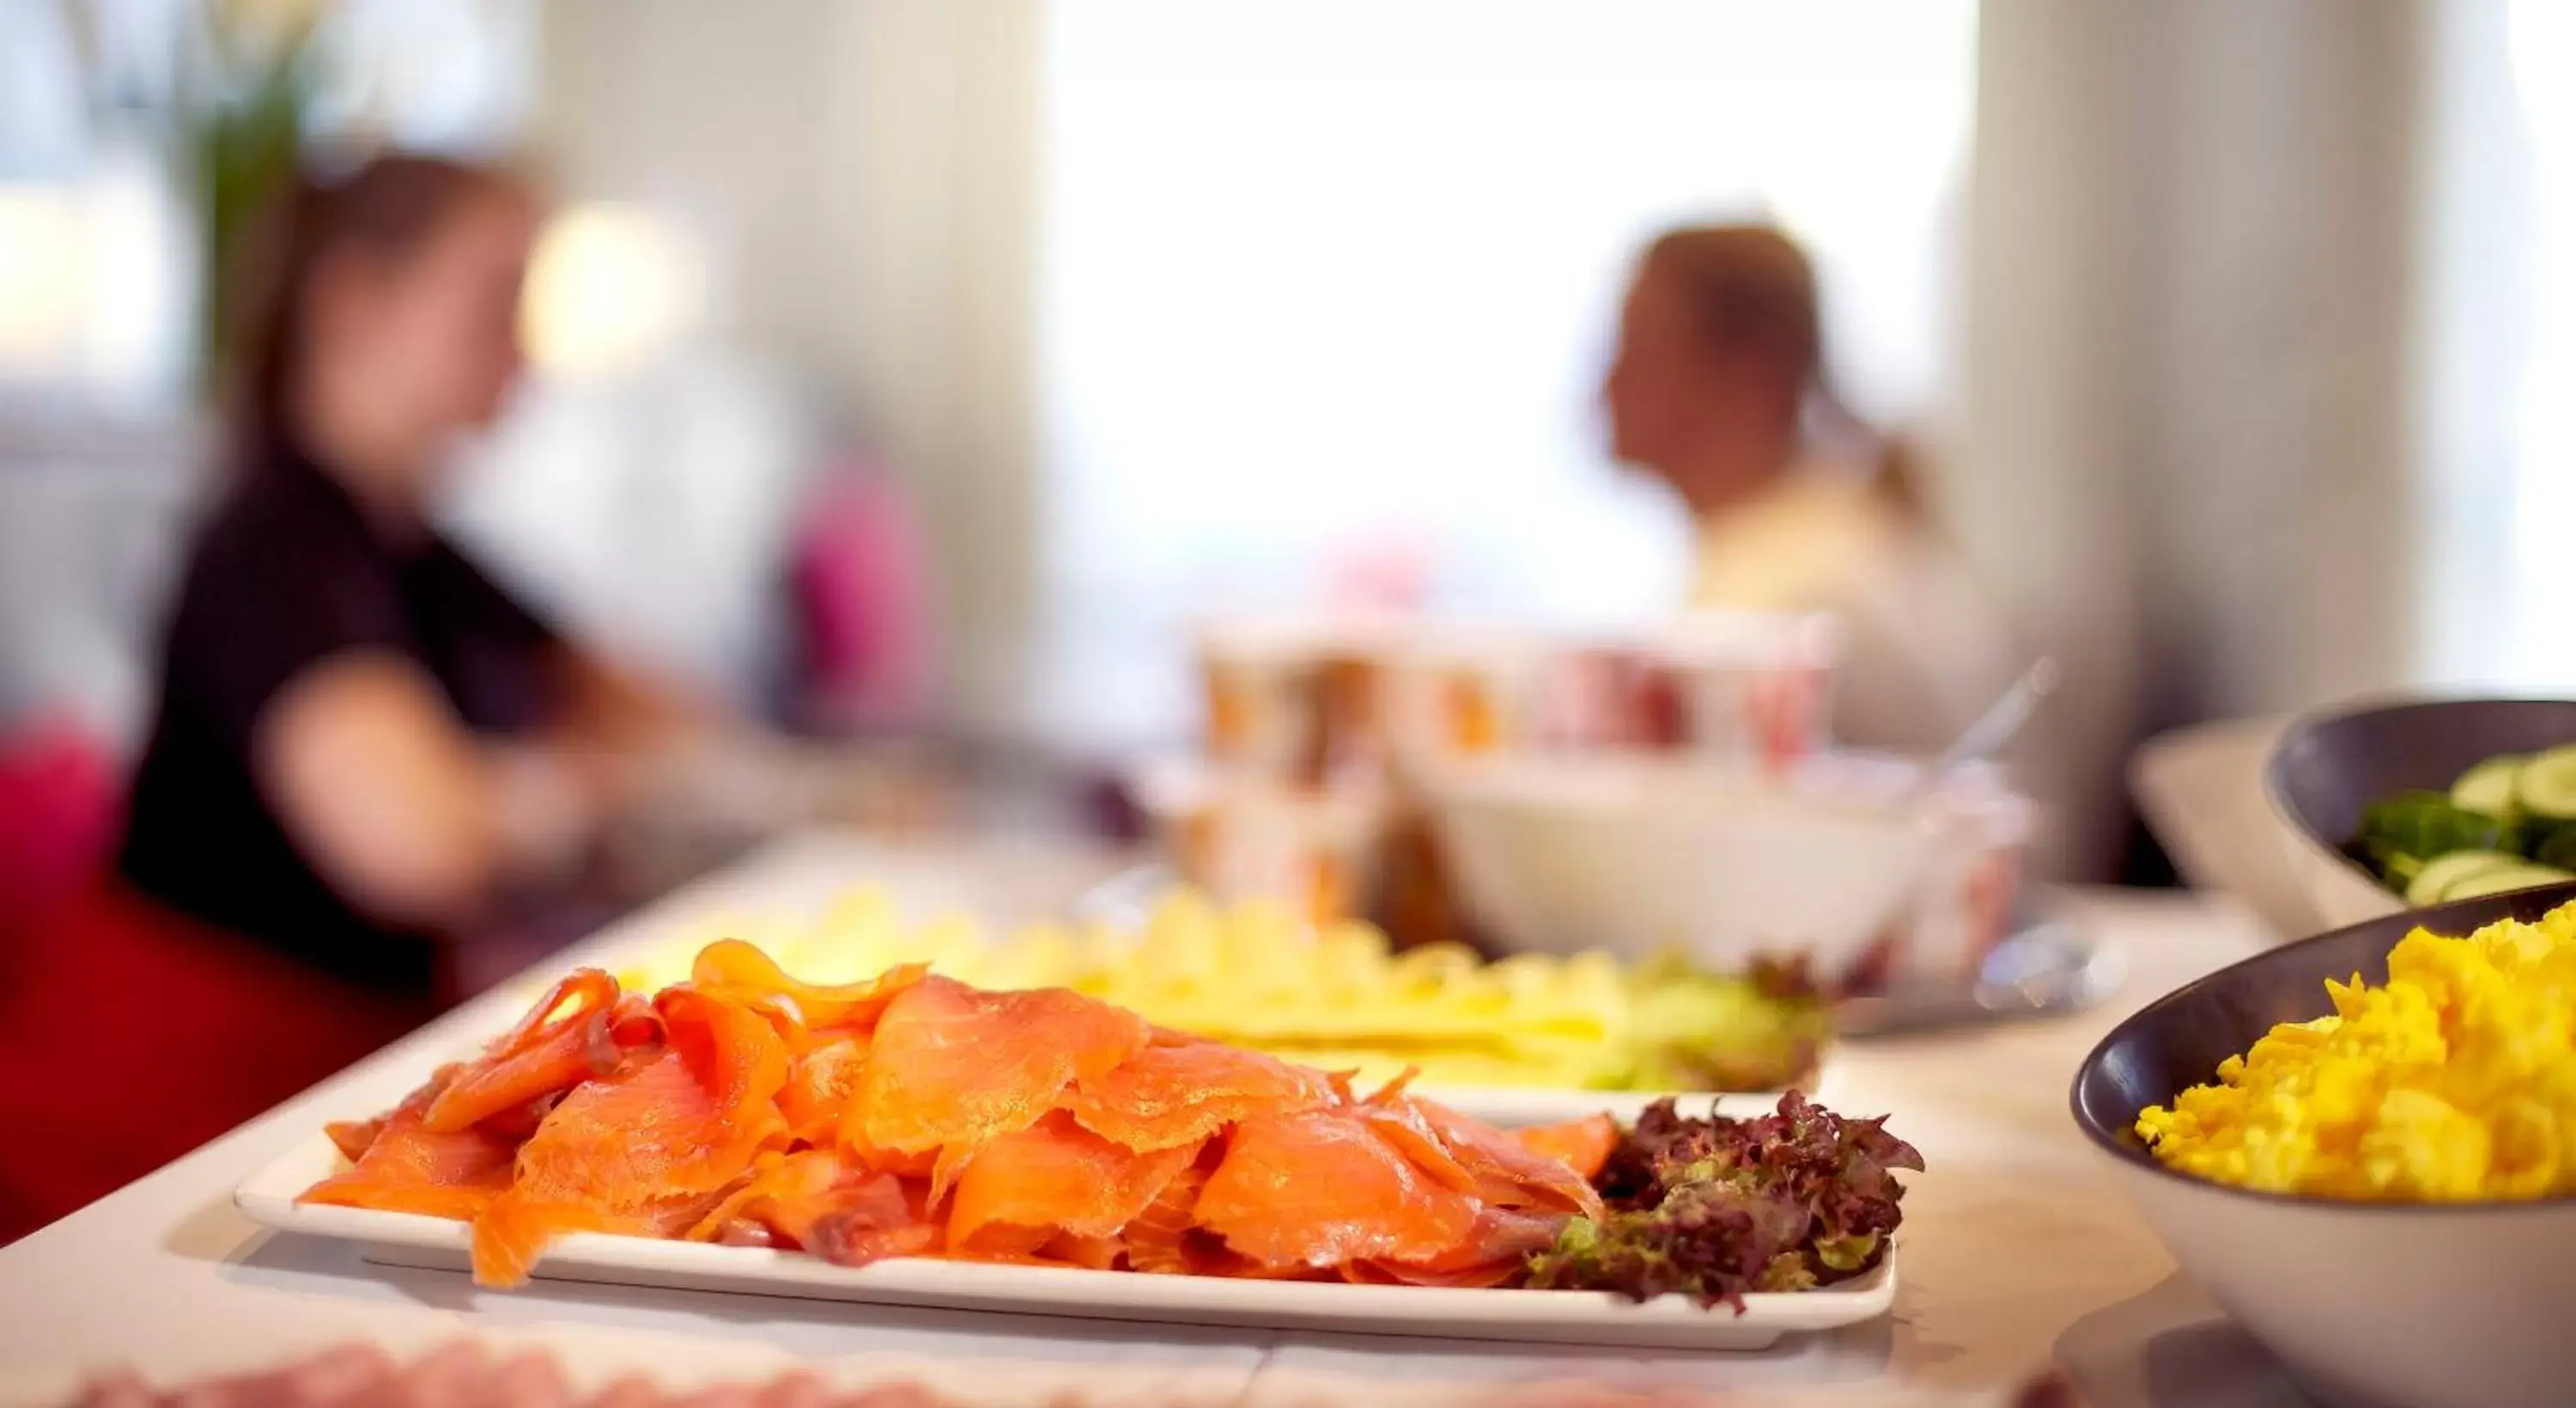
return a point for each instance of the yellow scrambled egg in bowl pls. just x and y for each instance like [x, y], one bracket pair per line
[2453, 1082]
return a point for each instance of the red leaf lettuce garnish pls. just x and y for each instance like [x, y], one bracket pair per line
[1713, 1208]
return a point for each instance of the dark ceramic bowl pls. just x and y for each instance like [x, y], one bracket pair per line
[2371, 1305]
[2328, 766]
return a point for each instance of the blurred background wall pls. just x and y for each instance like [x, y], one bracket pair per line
[858, 179]
[2194, 288]
[2235, 326]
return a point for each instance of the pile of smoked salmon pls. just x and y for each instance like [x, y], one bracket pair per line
[912, 1115]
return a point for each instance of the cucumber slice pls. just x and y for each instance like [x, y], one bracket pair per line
[2512, 877]
[2546, 786]
[2488, 787]
[2401, 871]
[2433, 883]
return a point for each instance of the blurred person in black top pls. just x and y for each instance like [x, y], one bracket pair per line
[371, 773]
[361, 740]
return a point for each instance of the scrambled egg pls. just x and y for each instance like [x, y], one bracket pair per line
[2456, 1082]
[1259, 975]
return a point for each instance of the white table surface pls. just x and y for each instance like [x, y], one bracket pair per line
[2014, 1252]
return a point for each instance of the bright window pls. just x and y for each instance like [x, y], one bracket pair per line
[1331, 281]
[2543, 651]
[2498, 350]
[99, 242]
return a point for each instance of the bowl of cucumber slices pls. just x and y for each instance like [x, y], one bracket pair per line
[2399, 805]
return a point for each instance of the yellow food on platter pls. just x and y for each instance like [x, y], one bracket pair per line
[1259, 975]
[2454, 1082]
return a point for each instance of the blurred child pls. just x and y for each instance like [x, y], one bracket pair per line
[1719, 390]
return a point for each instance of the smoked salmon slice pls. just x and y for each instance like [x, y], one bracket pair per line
[817, 1200]
[1173, 1094]
[1582, 1145]
[351, 1137]
[819, 1085]
[741, 971]
[650, 1149]
[1056, 1175]
[1161, 1237]
[564, 1040]
[1470, 1278]
[1506, 1170]
[407, 1167]
[1401, 1124]
[734, 1217]
[952, 1068]
[1318, 1188]
[1089, 1253]
[1508, 1174]
[1493, 1252]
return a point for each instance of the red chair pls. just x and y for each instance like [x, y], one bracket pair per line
[60, 805]
[130, 1035]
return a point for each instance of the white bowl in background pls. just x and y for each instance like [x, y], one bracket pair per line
[1640, 854]
[2201, 789]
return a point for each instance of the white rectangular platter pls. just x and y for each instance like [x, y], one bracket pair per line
[1559, 1317]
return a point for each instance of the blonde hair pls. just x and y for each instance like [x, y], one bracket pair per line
[1751, 288]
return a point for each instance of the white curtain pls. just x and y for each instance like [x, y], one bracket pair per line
[859, 178]
[2193, 295]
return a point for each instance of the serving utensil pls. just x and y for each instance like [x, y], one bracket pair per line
[2048, 966]
[2002, 722]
